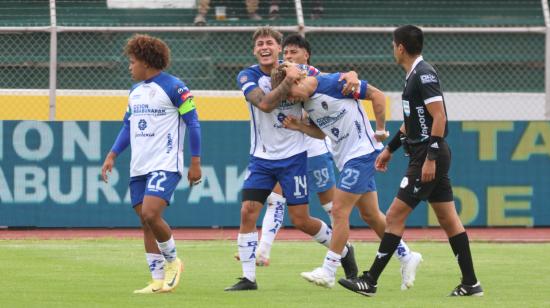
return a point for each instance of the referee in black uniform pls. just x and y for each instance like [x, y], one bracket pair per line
[422, 135]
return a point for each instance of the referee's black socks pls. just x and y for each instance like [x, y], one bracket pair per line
[461, 249]
[385, 251]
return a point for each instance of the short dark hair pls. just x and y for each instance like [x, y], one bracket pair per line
[297, 40]
[151, 50]
[411, 37]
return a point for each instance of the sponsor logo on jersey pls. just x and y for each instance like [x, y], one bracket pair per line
[358, 127]
[243, 79]
[169, 143]
[422, 121]
[144, 109]
[428, 78]
[328, 120]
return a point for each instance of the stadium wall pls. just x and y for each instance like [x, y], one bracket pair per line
[50, 176]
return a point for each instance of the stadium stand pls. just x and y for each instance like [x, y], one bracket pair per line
[210, 60]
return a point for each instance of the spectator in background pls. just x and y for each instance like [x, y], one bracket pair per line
[204, 6]
[316, 14]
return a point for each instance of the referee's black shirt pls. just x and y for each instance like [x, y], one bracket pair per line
[421, 88]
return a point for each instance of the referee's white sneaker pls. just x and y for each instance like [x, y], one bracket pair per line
[408, 270]
[320, 277]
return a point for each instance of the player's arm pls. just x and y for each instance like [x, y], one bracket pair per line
[433, 100]
[268, 102]
[379, 106]
[121, 143]
[188, 113]
[310, 129]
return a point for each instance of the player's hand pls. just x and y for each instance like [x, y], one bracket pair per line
[194, 175]
[293, 73]
[292, 123]
[381, 135]
[108, 166]
[352, 82]
[382, 161]
[428, 171]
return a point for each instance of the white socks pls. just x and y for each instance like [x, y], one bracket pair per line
[332, 262]
[403, 253]
[156, 265]
[272, 222]
[168, 249]
[247, 243]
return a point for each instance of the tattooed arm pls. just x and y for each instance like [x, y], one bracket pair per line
[268, 102]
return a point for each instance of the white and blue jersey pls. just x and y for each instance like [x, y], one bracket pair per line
[342, 119]
[159, 110]
[157, 130]
[269, 139]
[277, 154]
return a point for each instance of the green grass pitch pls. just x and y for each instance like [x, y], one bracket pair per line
[104, 272]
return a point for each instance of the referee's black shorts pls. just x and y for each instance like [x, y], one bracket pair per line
[412, 190]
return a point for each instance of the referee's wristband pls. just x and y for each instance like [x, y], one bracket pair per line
[395, 142]
[433, 147]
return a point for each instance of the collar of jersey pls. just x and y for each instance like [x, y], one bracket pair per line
[415, 63]
[152, 78]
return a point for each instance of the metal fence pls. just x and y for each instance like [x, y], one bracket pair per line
[489, 70]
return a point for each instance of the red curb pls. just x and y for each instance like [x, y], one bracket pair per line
[504, 235]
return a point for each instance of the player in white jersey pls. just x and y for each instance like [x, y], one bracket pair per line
[320, 171]
[276, 155]
[355, 148]
[160, 108]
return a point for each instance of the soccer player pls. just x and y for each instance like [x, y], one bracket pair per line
[320, 173]
[355, 147]
[276, 155]
[160, 108]
[422, 134]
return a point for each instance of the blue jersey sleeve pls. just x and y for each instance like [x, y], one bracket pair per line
[191, 119]
[329, 84]
[246, 81]
[123, 139]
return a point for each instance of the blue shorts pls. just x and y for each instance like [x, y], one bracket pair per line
[157, 183]
[357, 176]
[289, 172]
[320, 173]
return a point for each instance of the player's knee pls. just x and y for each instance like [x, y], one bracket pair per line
[299, 222]
[248, 209]
[394, 218]
[149, 217]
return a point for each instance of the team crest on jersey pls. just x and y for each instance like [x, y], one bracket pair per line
[335, 131]
[281, 117]
[324, 105]
[142, 124]
[243, 79]
[152, 93]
